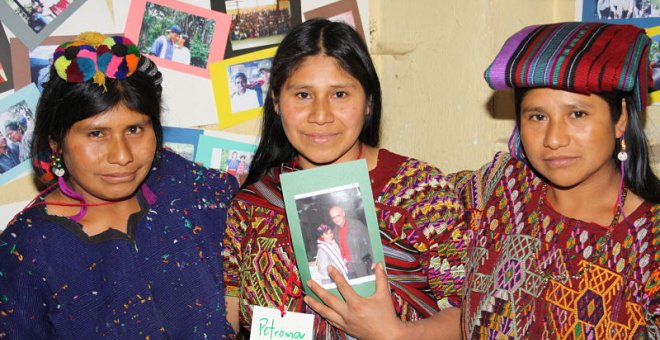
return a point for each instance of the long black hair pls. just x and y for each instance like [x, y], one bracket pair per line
[63, 103]
[638, 175]
[311, 38]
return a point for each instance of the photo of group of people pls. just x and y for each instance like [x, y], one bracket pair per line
[233, 162]
[626, 9]
[16, 127]
[38, 13]
[334, 229]
[248, 84]
[257, 23]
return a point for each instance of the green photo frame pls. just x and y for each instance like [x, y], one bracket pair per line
[333, 197]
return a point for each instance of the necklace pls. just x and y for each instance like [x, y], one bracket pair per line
[600, 246]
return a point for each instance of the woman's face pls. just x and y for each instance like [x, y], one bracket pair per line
[569, 137]
[328, 236]
[322, 108]
[109, 155]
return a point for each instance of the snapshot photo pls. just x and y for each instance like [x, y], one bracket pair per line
[178, 35]
[38, 13]
[625, 9]
[248, 84]
[32, 21]
[16, 127]
[181, 140]
[257, 24]
[654, 59]
[335, 233]
[33, 65]
[332, 221]
[226, 155]
[234, 162]
[240, 85]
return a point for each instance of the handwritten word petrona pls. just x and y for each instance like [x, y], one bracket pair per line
[267, 328]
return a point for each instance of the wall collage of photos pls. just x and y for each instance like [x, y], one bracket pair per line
[226, 47]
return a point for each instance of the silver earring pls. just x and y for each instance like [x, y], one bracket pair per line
[622, 155]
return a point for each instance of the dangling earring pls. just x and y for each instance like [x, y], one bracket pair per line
[622, 155]
[56, 165]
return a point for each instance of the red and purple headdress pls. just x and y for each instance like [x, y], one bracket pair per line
[583, 57]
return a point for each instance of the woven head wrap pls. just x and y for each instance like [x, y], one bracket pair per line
[583, 57]
[94, 56]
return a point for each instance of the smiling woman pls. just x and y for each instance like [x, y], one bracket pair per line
[125, 239]
[323, 107]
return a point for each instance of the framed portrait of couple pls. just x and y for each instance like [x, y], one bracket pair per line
[332, 220]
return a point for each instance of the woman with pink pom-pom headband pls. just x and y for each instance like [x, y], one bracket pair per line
[124, 239]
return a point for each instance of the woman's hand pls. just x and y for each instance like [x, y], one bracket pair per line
[374, 317]
[370, 317]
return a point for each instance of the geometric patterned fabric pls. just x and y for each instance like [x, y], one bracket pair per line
[421, 229]
[617, 298]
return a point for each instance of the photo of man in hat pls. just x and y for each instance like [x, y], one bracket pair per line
[163, 47]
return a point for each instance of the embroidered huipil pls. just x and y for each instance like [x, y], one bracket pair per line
[421, 231]
[162, 279]
[506, 295]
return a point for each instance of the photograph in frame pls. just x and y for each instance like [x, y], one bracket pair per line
[332, 220]
[225, 155]
[17, 116]
[240, 85]
[33, 20]
[5, 63]
[654, 59]
[33, 65]
[257, 25]
[642, 13]
[345, 11]
[178, 35]
[182, 141]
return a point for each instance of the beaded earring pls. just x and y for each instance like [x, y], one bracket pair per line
[622, 155]
[56, 165]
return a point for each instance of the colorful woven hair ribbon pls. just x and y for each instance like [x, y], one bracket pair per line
[584, 57]
[94, 57]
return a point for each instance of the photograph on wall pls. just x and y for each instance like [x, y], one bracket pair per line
[33, 66]
[240, 85]
[178, 35]
[607, 10]
[654, 57]
[34, 20]
[6, 73]
[182, 141]
[225, 155]
[17, 115]
[345, 11]
[332, 221]
[248, 84]
[257, 24]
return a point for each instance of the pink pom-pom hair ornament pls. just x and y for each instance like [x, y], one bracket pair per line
[96, 57]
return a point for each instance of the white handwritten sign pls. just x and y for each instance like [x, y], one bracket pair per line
[268, 324]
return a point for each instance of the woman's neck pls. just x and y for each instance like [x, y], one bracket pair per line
[98, 218]
[592, 201]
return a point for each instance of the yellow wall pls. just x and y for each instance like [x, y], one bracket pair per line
[431, 56]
